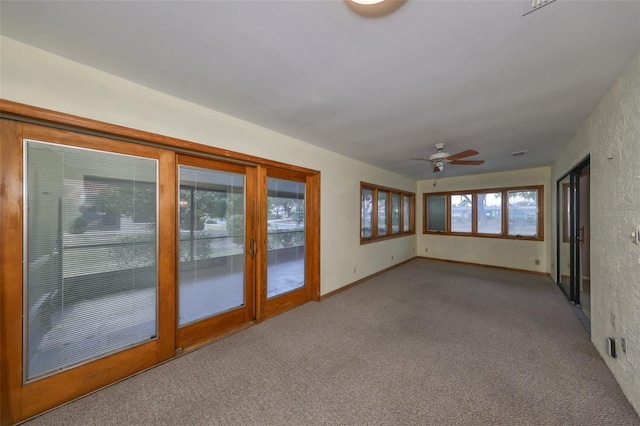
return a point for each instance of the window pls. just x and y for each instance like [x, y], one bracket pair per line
[436, 209]
[496, 213]
[366, 213]
[489, 213]
[383, 199]
[406, 214]
[385, 212]
[461, 212]
[523, 213]
[395, 213]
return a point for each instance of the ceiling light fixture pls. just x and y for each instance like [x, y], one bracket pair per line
[374, 8]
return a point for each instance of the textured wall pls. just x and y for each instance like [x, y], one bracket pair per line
[611, 135]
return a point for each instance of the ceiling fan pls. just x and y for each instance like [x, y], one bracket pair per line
[440, 158]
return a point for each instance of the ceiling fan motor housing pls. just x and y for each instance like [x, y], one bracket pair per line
[439, 156]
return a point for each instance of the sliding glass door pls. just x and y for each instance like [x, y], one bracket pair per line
[215, 256]
[573, 262]
[116, 256]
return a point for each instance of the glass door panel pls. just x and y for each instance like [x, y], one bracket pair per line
[564, 237]
[215, 279]
[585, 238]
[285, 236]
[91, 280]
[212, 235]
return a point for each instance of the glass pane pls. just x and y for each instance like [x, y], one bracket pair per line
[523, 213]
[566, 212]
[212, 239]
[285, 236]
[91, 275]
[583, 271]
[564, 241]
[395, 213]
[406, 220]
[461, 208]
[366, 211]
[436, 213]
[490, 213]
[382, 213]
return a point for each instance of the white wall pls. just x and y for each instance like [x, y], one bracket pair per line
[34, 77]
[488, 251]
[611, 135]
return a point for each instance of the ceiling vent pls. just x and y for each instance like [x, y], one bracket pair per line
[529, 6]
[517, 153]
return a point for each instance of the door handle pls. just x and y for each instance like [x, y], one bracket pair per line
[581, 238]
[252, 248]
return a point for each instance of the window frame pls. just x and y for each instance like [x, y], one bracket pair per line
[390, 192]
[474, 212]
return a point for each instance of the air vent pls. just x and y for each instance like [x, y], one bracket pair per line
[529, 6]
[517, 153]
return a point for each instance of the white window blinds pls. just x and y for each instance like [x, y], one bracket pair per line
[91, 255]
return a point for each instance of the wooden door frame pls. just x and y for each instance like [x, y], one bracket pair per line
[311, 291]
[18, 402]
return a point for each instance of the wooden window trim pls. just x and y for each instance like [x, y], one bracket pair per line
[505, 212]
[389, 217]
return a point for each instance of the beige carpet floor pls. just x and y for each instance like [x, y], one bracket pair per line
[427, 343]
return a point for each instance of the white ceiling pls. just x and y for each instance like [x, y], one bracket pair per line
[473, 74]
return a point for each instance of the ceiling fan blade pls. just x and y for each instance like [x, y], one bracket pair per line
[463, 154]
[467, 162]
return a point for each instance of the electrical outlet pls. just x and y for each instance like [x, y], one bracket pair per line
[391, 257]
[426, 250]
[354, 269]
[537, 261]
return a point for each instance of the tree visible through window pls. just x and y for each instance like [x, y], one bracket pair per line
[523, 213]
[385, 212]
[503, 213]
[489, 213]
[461, 212]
